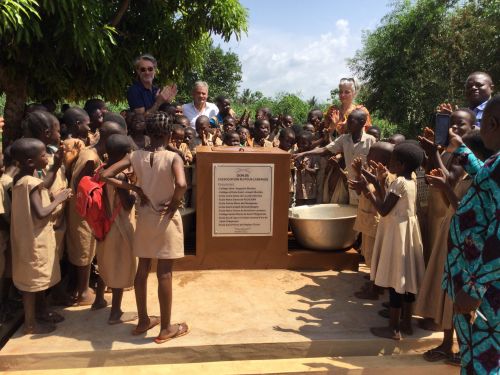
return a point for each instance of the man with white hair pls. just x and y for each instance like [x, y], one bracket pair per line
[199, 106]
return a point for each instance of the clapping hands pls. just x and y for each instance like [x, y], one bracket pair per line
[436, 178]
[167, 93]
[446, 108]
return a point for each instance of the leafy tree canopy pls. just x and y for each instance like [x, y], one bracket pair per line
[221, 70]
[77, 49]
[422, 53]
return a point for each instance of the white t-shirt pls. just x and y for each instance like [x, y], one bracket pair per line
[192, 113]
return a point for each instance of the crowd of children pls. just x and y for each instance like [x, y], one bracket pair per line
[138, 162]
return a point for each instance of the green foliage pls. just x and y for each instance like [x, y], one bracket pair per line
[221, 70]
[15, 13]
[283, 103]
[421, 55]
[77, 49]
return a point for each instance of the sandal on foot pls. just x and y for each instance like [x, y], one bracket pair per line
[435, 355]
[153, 322]
[182, 330]
[454, 359]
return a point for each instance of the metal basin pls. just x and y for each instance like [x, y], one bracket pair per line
[323, 226]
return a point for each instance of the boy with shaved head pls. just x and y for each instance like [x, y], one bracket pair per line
[80, 242]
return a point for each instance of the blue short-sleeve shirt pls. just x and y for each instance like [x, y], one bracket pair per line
[138, 96]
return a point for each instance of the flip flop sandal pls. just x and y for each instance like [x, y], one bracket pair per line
[454, 359]
[435, 355]
[180, 332]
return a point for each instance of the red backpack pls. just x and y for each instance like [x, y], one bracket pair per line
[90, 205]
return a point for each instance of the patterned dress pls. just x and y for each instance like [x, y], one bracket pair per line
[473, 264]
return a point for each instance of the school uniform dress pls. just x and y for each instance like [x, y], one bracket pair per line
[436, 212]
[58, 215]
[366, 223]
[155, 235]
[432, 301]
[117, 263]
[397, 260]
[80, 241]
[345, 145]
[35, 264]
[473, 264]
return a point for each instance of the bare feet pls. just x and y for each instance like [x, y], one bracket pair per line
[172, 332]
[39, 329]
[99, 304]
[146, 325]
[121, 318]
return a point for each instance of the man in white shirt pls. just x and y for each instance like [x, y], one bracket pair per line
[199, 106]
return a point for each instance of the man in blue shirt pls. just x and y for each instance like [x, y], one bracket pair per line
[478, 89]
[143, 96]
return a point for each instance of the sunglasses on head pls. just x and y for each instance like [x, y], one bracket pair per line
[149, 69]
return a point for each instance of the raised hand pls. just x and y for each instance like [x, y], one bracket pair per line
[217, 134]
[167, 93]
[357, 165]
[370, 177]
[428, 145]
[380, 170]
[436, 178]
[359, 185]
[63, 195]
[429, 134]
[446, 108]
[455, 141]
[242, 118]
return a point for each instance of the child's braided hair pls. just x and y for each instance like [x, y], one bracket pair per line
[158, 125]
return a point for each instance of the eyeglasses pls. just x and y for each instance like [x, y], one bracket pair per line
[149, 69]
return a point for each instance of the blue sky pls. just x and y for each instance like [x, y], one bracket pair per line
[302, 46]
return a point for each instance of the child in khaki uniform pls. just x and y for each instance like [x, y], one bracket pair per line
[367, 217]
[80, 242]
[177, 142]
[161, 186]
[45, 127]
[35, 266]
[117, 263]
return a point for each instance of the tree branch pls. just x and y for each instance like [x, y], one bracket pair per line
[121, 12]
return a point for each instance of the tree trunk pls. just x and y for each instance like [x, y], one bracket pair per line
[16, 91]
